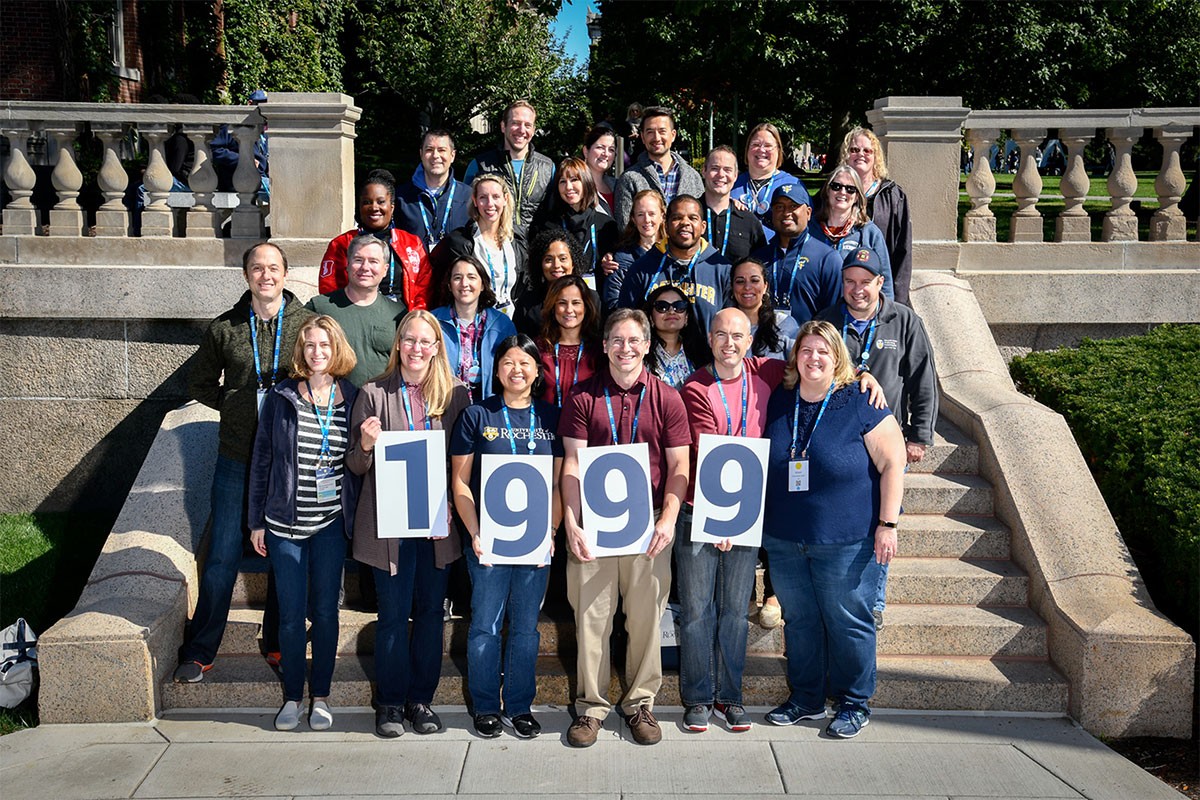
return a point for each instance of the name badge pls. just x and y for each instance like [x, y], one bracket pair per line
[262, 395]
[590, 280]
[327, 484]
[798, 475]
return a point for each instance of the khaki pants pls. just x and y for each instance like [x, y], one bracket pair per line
[592, 588]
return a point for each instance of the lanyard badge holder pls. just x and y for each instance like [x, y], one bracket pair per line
[261, 386]
[327, 483]
[708, 225]
[503, 301]
[431, 239]
[798, 472]
[530, 445]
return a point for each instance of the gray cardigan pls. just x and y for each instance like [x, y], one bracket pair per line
[643, 175]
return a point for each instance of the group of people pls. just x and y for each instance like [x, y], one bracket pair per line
[540, 309]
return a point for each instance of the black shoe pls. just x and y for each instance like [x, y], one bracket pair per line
[389, 721]
[488, 725]
[523, 725]
[422, 717]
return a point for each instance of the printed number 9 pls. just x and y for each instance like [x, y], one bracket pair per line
[751, 489]
[631, 502]
[535, 516]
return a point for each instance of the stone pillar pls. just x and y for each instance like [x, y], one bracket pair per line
[979, 224]
[312, 145]
[112, 218]
[922, 137]
[1168, 224]
[158, 219]
[1073, 223]
[66, 218]
[20, 215]
[1026, 223]
[203, 220]
[1120, 223]
[246, 221]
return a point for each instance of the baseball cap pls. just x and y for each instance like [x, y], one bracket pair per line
[863, 257]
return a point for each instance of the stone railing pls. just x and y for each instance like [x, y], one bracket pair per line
[311, 156]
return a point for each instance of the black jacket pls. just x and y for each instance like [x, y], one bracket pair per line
[537, 177]
[460, 242]
[888, 209]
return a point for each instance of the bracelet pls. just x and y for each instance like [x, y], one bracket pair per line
[884, 524]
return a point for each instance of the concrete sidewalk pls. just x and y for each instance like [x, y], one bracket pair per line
[225, 754]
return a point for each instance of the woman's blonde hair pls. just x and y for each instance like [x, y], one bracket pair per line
[843, 373]
[879, 165]
[342, 359]
[859, 212]
[506, 214]
[774, 133]
[439, 381]
[630, 237]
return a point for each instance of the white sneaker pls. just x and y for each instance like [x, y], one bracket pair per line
[320, 718]
[288, 717]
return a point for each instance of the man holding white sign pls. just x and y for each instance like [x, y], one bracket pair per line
[621, 405]
[725, 401]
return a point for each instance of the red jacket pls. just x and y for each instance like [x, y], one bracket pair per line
[408, 253]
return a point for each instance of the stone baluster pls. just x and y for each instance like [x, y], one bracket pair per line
[246, 221]
[20, 215]
[1026, 224]
[1073, 223]
[1120, 223]
[203, 219]
[158, 219]
[1168, 223]
[979, 223]
[112, 218]
[66, 218]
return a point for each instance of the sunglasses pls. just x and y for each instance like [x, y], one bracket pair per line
[834, 186]
[662, 306]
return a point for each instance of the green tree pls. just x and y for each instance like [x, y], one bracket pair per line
[283, 46]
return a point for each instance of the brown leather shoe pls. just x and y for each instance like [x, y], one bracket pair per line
[582, 732]
[644, 727]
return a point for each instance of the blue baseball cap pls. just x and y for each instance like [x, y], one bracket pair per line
[794, 190]
[258, 96]
[863, 257]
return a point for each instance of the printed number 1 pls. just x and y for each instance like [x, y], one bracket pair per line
[416, 469]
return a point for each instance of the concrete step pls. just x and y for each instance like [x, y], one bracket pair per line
[961, 631]
[946, 494]
[951, 581]
[903, 682]
[951, 451]
[941, 536]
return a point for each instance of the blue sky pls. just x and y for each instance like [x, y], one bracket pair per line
[573, 16]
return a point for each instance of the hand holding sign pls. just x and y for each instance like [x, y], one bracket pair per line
[618, 516]
[730, 490]
[515, 496]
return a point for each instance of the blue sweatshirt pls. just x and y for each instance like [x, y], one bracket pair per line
[868, 236]
[414, 197]
[707, 287]
[805, 278]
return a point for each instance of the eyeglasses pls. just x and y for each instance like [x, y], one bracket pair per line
[662, 306]
[413, 343]
[767, 147]
[834, 186]
[633, 341]
[866, 151]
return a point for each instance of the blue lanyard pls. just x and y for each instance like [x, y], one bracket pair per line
[429, 237]
[691, 266]
[254, 344]
[612, 423]
[594, 251]
[503, 292]
[476, 347]
[866, 353]
[750, 197]
[708, 221]
[724, 402]
[816, 422]
[408, 408]
[783, 299]
[324, 423]
[531, 445]
[558, 388]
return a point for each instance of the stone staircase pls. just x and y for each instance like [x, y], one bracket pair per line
[958, 635]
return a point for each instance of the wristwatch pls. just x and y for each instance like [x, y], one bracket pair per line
[884, 524]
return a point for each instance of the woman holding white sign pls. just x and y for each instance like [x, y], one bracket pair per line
[508, 575]
[471, 324]
[416, 392]
[835, 477]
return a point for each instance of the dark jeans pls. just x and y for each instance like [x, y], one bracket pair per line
[226, 535]
[408, 666]
[495, 590]
[827, 591]
[714, 594]
[302, 566]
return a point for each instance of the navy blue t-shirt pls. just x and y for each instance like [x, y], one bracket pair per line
[842, 501]
[480, 429]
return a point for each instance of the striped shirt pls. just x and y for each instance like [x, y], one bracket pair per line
[311, 514]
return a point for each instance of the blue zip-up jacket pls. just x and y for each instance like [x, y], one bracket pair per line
[272, 489]
[816, 282]
[708, 290]
[496, 327]
[868, 236]
[761, 207]
[413, 196]
[624, 256]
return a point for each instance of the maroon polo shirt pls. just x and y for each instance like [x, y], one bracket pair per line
[662, 422]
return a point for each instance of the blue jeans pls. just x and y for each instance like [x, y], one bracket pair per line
[517, 589]
[880, 587]
[409, 665]
[226, 535]
[714, 595]
[303, 565]
[827, 592]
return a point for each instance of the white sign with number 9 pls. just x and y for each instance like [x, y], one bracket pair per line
[515, 503]
[618, 515]
[731, 486]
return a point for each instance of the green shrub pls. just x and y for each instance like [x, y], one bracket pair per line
[1134, 407]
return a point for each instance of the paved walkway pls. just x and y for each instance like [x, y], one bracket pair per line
[227, 754]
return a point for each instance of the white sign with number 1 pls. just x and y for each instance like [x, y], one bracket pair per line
[410, 485]
[731, 486]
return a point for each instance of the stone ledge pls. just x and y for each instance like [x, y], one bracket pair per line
[1068, 257]
[141, 251]
[1131, 670]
